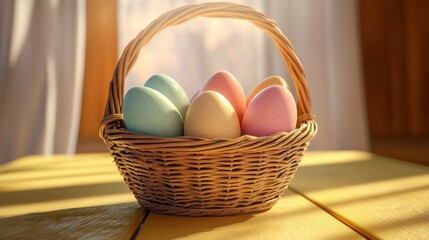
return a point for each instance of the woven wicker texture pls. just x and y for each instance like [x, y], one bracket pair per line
[207, 177]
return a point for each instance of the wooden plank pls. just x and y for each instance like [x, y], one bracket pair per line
[293, 217]
[118, 221]
[377, 196]
[59, 197]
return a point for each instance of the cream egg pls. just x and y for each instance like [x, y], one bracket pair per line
[210, 115]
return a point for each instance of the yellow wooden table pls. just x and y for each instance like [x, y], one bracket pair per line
[335, 195]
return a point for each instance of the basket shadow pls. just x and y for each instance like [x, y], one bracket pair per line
[186, 226]
[116, 221]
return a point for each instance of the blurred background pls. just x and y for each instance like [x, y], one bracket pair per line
[366, 62]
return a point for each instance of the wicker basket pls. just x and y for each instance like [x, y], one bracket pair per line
[207, 177]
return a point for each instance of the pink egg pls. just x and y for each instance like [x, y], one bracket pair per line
[226, 84]
[272, 110]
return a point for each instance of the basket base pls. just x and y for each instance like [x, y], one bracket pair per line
[209, 212]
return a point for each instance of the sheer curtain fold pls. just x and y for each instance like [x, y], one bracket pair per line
[42, 63]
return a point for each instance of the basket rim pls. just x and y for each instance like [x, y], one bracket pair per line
[117, 124]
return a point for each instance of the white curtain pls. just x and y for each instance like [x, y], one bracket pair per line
[41, 71]
[325, 36]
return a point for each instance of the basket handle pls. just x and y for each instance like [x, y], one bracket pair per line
[213, 10]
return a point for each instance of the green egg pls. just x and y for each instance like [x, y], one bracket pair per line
[149, 112]
[171, 89]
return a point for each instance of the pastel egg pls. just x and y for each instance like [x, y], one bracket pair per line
[272, 110]
[148, 112]
[171, 89]
[210, 115]
[269, 81]
[226, 84]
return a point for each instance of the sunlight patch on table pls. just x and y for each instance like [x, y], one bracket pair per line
[326, 157]
[61, 182]
[368, 191]
[37, 174]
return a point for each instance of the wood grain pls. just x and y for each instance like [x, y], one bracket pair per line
[394, 36]
[65, 197]
[377, 196]
[293, 217]
[375, 53]
[118, 221]
[417, 18]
